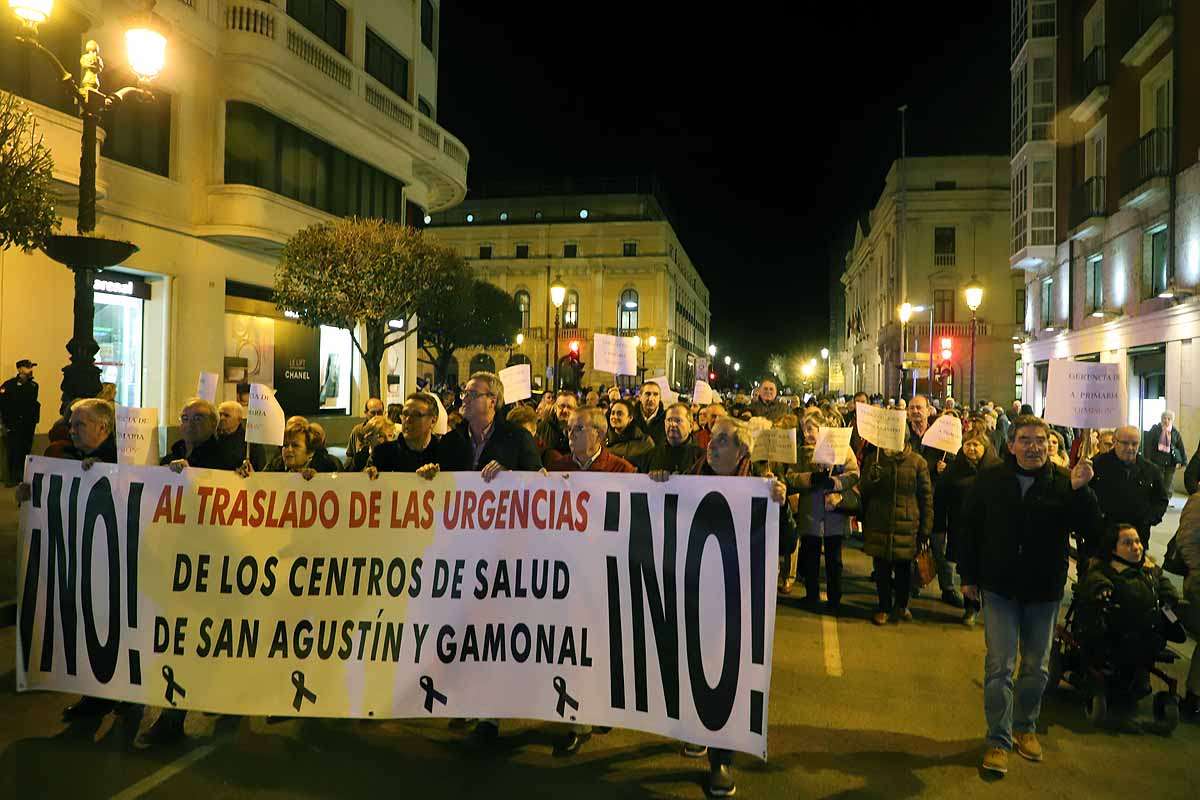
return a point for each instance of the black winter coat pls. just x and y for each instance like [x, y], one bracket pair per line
[511, 445]
[950, 499]
[897, 502]
[1133, 494]
[1017, 546]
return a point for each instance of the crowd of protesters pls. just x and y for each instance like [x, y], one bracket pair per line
[994, 523]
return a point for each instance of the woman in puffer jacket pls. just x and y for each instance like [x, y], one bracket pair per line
[953, 485]
[824, 501]
[897, 516]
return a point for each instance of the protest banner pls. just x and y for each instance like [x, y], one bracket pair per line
[702, 369]
[401, 597]
[833, 446]
[206, 387]
[703, 393]
[137, 436]
[773, 444]
[615, 354]
[517, 383]
[944, 434]
[881, 427]
[664, 385]
[264, 418]
[1082, 394]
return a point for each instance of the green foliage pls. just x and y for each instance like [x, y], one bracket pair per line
[26, 212]
[485, 316]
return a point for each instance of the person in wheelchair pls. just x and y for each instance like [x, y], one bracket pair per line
[1120, 623]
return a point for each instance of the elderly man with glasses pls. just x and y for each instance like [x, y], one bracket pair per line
[586, 428]
[373, 408]
[495, 445]
[1129, 487]
[198, 445]
[417, 449]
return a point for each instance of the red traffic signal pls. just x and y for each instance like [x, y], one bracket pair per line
[574, 347]
[712, 376]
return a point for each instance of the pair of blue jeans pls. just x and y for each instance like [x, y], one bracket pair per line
[1011, 626]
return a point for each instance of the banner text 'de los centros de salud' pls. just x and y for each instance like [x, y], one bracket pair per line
[608, 599]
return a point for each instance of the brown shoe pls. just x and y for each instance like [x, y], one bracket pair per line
[995, 760]
[1028, 746]
[880, 618]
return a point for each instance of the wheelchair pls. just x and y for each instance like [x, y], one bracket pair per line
[1107, 683]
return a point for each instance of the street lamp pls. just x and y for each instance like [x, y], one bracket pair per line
[825, 358]
[642, 346]
[558, 293]
[906, 312]
[84, 254]
[518, 340]
[728, 360]
[712, 351]
[974, 294]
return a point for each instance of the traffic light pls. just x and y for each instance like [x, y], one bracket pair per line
[946, 368]
[712, 376]
[573, 351]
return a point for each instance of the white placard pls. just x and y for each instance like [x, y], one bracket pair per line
[1082, 394]
[264, 419]
[206, 387]
[443, 419]
[615, 354]
[881, 427]
[944, 434]
[516, 380]
[833, 446]
[702, 369]
[668, 396]
[137, 436]
[702, 394]
[773, 444]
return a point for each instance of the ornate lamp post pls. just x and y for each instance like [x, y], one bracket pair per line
[642, 347]
[974, 294]
[82, 253]
[558, 293]
[825, 358]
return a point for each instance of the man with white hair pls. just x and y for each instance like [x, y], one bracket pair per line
[1129, 488]
[231, 429]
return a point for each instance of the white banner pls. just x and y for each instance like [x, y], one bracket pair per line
[206, 387]
[944, 434]
[773, 444]
[702, 394]
[516, 380]
[264, 418]
[615, 354]
[880, 427]
[833, 446]
[1082, 394]
[137, 436]
[344, 597]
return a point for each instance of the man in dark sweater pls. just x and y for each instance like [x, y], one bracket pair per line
[418, 450]
[678, 452]
[1019, 515]
[1129, 488]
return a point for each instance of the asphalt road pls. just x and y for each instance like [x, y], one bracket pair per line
[856, 711]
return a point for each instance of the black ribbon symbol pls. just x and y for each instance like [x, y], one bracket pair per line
[431, 693]
[172, 687]
[302, 694]
[564, 699]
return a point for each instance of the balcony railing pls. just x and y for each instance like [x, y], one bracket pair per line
[1148, 158]
[1094, 73]
[1088, 200]
[1146, 17]
[918, 332]
[943, 259]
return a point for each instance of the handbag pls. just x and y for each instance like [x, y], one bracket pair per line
[926, 568]
[1173, 562]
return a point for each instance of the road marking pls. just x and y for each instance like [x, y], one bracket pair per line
[833, 649]
[156, 779]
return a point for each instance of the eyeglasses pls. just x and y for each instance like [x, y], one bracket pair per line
[1125, 443]
[193, 417]
[477, 395]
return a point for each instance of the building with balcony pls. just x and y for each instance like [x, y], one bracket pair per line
[614, 248]
[269, 116]
[1116, 284]
[938, 223]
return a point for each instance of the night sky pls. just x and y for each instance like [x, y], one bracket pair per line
[770, 130]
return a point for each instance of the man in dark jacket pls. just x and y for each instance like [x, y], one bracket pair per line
[1129, 487]
[768, 404]
[918, 425]
[418, 450]
[678, 452]
[19, 413]
[1019, 516]
[552, 430]
[650, 414]
[199, 446]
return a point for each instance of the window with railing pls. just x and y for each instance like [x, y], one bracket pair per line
[264, 151]
[385, 64]
[571, 310]
[325, 18]
[522, 298]
[1095, 283]
[944, 246]
[1154, 258]
[138, 133]
[1149, 157]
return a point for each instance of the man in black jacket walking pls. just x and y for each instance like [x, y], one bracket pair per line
[1129, 488]
[1019, 515]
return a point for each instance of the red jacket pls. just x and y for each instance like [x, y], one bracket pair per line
[605, 462]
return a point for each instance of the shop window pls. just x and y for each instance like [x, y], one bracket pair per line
[117, 328]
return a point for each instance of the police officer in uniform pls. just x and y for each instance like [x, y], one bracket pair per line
[19, 412]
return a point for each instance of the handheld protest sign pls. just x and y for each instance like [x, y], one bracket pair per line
[702, 394]
[206, 387]
[944, 434]
[1083, 394]
[833, 446]
[264, 419]
[881, 427]
[517, 383]
[615, 354]
[137, 436]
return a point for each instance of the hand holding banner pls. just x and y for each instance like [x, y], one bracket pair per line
[265, 420]
[615, 354]
[1082, 394]
[944, 434]
[881, 427]
[206, 388]
[137, 436]
[516, 380]
[833, 446]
